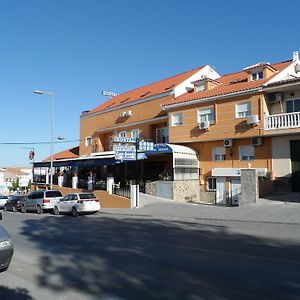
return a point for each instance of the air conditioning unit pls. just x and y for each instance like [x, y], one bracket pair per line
[204, 125]
[126, 113]
[252, 120]
[256, 141]
[274, 98]
[228, 143]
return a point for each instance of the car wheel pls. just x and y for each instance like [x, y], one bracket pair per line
[74, 212]
[4, 208]
[55, 210]
[14, 209]
[39, 210]
[23, 209]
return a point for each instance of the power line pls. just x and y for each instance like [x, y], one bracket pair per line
[38, 143]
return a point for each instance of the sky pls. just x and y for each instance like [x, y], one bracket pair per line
[77, 48]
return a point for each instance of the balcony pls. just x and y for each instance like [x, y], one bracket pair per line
[283, 121]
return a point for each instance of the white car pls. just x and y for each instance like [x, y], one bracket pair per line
[77, 203]
[41, 201]
[3, 200]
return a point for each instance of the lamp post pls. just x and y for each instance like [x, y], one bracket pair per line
[52, 135]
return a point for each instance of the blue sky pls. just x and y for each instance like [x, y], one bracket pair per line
[77, 48]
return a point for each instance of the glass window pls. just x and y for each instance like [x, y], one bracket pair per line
[88, 141]
[257, 75]
[51, 194]
[162, 135]
[211, 183]
[135, 133]
[293, 106]
[177, 119]
[243, 110]
[122, 134]
[247, 152]
[207, 114]
[219, 153]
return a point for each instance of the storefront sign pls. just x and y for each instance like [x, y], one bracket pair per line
[119, 139]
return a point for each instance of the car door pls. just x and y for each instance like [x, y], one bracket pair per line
[72, 202]
[28, 202]
[63, 204]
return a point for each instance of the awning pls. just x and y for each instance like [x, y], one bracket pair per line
[178, 151]
[102, 159]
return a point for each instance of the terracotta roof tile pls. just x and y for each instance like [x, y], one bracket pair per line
[230, 83]
[69, 153]
[149, 90]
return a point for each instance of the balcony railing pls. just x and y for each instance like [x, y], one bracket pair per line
[283, 121]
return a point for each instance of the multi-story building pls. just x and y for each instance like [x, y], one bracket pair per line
[205, 128]
[245, 119]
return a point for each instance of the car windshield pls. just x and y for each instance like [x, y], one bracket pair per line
[87, 196]
[51, 194]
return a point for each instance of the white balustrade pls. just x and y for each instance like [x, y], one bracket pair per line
[282, 121]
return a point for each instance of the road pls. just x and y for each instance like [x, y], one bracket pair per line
[114, 257]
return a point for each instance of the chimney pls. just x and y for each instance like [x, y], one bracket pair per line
[295, 56]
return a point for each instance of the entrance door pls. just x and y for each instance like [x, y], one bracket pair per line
[221, 190]
[295, 160]
[235, 190]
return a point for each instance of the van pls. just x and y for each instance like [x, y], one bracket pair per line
[40, 201]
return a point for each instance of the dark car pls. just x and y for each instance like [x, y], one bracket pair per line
[14, 203]
[6, 248]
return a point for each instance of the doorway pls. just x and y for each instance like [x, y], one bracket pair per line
[295, 161]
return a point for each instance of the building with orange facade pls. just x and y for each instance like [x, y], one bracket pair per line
[205, 128]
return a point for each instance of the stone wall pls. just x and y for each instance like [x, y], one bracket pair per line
[208, 197]
[182, 190]
[249, 186]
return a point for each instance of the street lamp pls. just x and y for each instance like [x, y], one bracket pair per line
[52, 136]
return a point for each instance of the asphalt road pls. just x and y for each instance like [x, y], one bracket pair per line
[129, 257]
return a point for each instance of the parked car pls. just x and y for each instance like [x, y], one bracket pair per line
[40, 201]
[3, 200]
[6, 248]
[77, 203]
[14, 203]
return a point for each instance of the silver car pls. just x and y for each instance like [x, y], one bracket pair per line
[40, 201]
[6, 248]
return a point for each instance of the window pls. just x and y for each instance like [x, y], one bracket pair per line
[243, 110]
[200, 87]
[207, 114]
[88, 141]
[218, 153]
[293, 106]
[122, 134]
[162, 135]
[211, 183]
[247, 152]
[257, 75]
[135, 133]
[177, 119]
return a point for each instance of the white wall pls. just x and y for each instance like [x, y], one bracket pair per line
[281, 155]
[206, 71]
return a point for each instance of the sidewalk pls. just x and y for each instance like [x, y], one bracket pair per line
[266, 211]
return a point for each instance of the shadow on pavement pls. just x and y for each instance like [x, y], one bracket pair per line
[14, 294]
[284, 197]
[131, 258]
